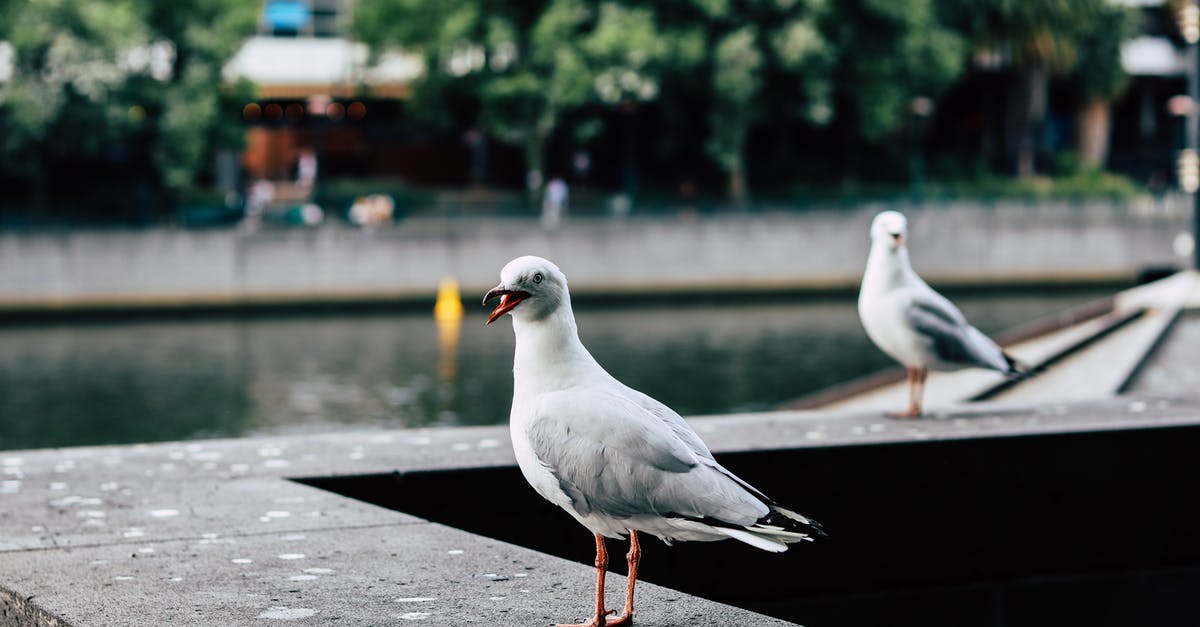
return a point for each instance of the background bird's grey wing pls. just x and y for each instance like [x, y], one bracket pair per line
[613, 456]
[949, 335]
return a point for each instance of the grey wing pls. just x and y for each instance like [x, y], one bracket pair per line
[614, 457]
[684, 431]
[951, 338]
[673, 421]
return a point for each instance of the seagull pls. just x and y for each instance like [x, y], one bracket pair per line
[911, 322]
[615, 459]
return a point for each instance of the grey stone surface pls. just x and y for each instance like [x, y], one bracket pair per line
[366, 576]
[161, 534]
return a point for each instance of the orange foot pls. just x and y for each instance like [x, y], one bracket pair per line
[624, 619]
[903, 415]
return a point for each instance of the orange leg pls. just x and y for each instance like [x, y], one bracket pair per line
[633, 557]
[601, 569]
[916, 390]
[920, 395]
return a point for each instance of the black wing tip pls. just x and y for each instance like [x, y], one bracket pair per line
[788, 522]
[774, 518]
[1019, 371]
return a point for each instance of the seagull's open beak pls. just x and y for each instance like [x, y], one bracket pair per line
[508, 300]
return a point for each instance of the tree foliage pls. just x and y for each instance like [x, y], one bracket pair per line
[136, 81]
[1069, 37]
[528, 64]
[524, 64]
[891, 51]
[1075, 39]
[101, 81]
[758, 43]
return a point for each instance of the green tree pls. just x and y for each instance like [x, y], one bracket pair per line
[1038, 40]
[138, 74]
[737, 80]
[521, 66]
[755, 56]
[1100, 76]
[890, 52]
[196, 119]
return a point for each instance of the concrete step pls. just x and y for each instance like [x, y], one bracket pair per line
[1091, 359]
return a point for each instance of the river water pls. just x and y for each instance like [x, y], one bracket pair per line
[97, 382]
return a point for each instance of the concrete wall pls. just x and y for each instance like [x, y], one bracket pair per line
[814, 249]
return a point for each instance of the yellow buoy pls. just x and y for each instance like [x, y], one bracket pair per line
[447, 314]
[449, 305]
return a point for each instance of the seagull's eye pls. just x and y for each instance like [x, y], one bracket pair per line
[537, 277]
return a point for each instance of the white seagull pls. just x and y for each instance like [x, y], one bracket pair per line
[913, 324]
[615, 459]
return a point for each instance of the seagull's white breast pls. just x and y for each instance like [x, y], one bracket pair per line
[535, 472]
[883, 317]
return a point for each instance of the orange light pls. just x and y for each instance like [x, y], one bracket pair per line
[357, 110]
[317, 104]
[273, 111]
[335, 110]
[252, 112]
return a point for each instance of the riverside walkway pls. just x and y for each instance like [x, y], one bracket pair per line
[216, 532]
[811, 250]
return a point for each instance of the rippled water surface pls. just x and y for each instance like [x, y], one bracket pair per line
[66, 384]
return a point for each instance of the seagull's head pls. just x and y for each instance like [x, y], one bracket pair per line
[533, 283]
[890, 228]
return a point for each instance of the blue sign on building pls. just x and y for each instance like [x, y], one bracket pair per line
[286, 15]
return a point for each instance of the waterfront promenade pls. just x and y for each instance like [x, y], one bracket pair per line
[217, 533]
[957, 244]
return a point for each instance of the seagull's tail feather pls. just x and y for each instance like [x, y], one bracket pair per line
[770, 534]
[765, 543]
[773, 532]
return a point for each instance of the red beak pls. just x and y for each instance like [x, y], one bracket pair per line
[508, 300]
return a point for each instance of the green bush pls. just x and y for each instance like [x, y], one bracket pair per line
[1083, 184]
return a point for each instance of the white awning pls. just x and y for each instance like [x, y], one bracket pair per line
[1152, 56]
[317, 62]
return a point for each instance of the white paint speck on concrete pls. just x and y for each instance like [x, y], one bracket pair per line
[288, 613]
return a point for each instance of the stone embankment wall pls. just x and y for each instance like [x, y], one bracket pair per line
[964, 244]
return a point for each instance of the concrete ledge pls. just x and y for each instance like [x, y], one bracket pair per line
[212, 533]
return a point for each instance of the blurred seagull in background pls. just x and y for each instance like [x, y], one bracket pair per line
[914, 324]
[617, 460]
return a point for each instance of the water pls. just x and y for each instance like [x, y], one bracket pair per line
[67, 384]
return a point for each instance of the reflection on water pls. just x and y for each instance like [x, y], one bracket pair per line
[138, 381]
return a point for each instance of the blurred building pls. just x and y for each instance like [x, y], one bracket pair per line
[320, 95]
[1146, 134]
[1143, 135]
